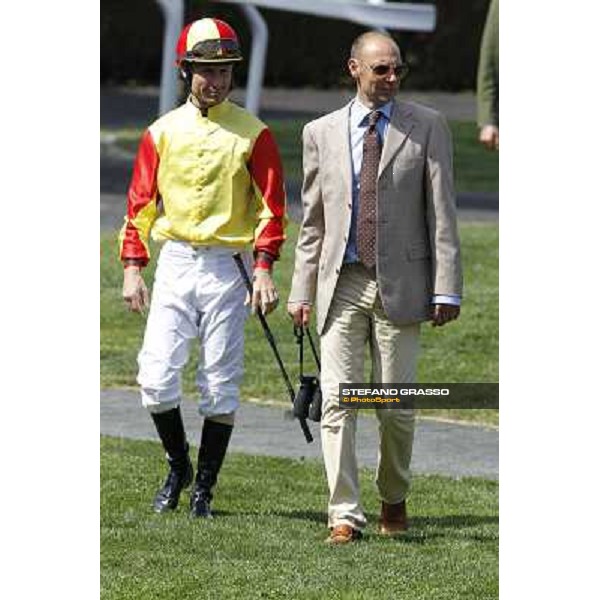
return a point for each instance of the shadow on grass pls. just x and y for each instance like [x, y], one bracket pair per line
[444, 522]
[423, 529]
[453, 521]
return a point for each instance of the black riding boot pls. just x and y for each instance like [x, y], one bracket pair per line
[215, 439]
[172, 435]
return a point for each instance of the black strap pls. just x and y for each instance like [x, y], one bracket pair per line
[299, 333]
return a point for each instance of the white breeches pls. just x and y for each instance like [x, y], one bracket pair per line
[198, 292]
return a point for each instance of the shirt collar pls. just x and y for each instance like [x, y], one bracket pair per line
[358, 112]
[214, 112]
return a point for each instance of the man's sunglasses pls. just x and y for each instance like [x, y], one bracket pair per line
[400, 71]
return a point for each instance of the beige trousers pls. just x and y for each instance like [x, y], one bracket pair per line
[356, 319]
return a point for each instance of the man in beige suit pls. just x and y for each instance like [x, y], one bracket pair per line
[379, 252]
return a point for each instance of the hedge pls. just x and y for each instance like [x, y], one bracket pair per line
[304, 51]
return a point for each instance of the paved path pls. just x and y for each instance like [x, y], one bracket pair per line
[440, 448]
[130, 107]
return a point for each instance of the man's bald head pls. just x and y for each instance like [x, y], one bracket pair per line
[368, 39]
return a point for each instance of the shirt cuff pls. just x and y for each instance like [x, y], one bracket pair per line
[446, 299]
[263, 260]
[135, 262]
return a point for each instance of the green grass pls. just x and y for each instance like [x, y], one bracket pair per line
[476, 170]
[463, 351]
[266, 540]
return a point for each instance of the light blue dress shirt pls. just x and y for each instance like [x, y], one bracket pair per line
[359, 123]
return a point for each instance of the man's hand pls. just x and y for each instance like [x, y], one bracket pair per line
[443, 313]
[264, 293]
[135, 292]
[489, 136]
[300, 313]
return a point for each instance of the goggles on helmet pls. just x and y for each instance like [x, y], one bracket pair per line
[223, 50]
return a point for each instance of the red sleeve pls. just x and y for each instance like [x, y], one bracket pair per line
[267, 172]
[141, 202]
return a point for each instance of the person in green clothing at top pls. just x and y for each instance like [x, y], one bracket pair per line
[488, 88]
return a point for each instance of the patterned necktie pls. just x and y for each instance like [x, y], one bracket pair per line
[367, 209]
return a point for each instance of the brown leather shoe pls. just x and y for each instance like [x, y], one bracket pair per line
[343, 534]
[393, 518]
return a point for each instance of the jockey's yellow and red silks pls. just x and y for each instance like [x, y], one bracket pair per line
[214, 180]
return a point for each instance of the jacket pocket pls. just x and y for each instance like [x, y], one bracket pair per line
[406, 163]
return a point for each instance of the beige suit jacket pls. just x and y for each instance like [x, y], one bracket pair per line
[418, 252]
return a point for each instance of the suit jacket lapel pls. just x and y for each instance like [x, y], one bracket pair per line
[340, 142]
[401, 124]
